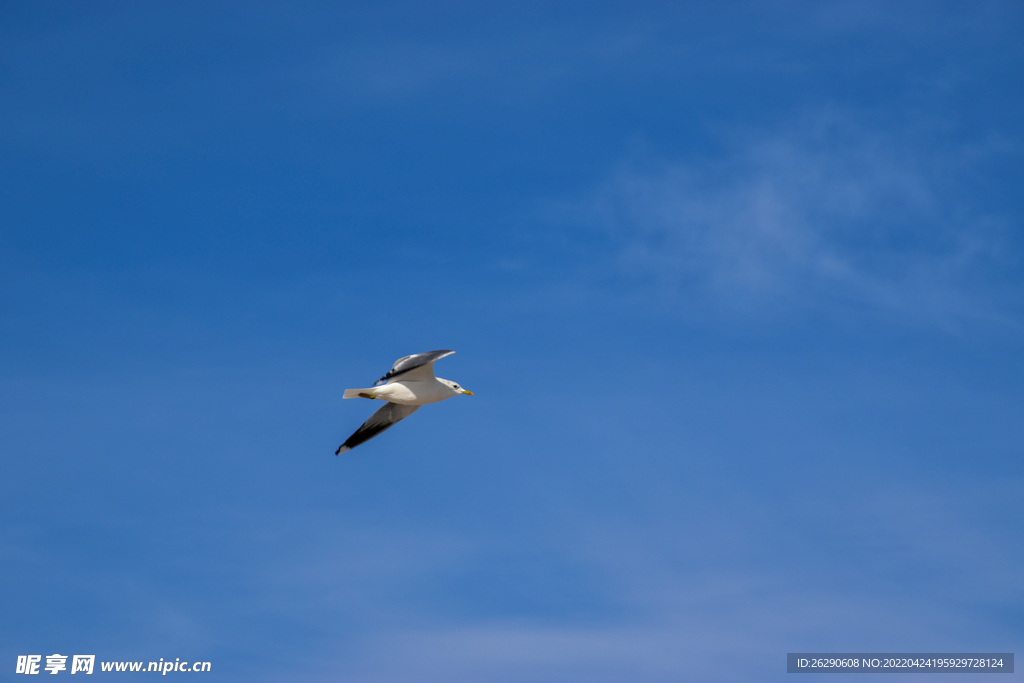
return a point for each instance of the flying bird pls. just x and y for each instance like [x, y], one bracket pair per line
[408, 385]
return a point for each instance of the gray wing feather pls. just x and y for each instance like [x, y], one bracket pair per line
[378, 422]
[409, 363]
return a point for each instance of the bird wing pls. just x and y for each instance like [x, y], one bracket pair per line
[416, 368]
[388, 415]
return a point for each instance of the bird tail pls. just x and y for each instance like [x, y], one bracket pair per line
[359, 393]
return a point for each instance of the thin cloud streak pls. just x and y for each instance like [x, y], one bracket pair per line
[827, 211]
[689, 614]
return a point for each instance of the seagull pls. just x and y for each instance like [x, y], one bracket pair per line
[408, 385]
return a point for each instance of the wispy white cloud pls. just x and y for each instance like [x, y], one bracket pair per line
[514, 652]
[828, 210]
[687, 617]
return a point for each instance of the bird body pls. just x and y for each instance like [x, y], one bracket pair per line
[410, 393]
[408, 385]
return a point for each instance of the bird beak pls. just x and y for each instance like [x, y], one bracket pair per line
[467, 391]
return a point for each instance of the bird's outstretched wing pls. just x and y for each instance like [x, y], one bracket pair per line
[388, 415]
[417, 367]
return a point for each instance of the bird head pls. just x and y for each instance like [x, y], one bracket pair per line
[455, 387]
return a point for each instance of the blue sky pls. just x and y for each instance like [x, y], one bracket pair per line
[738, 286]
